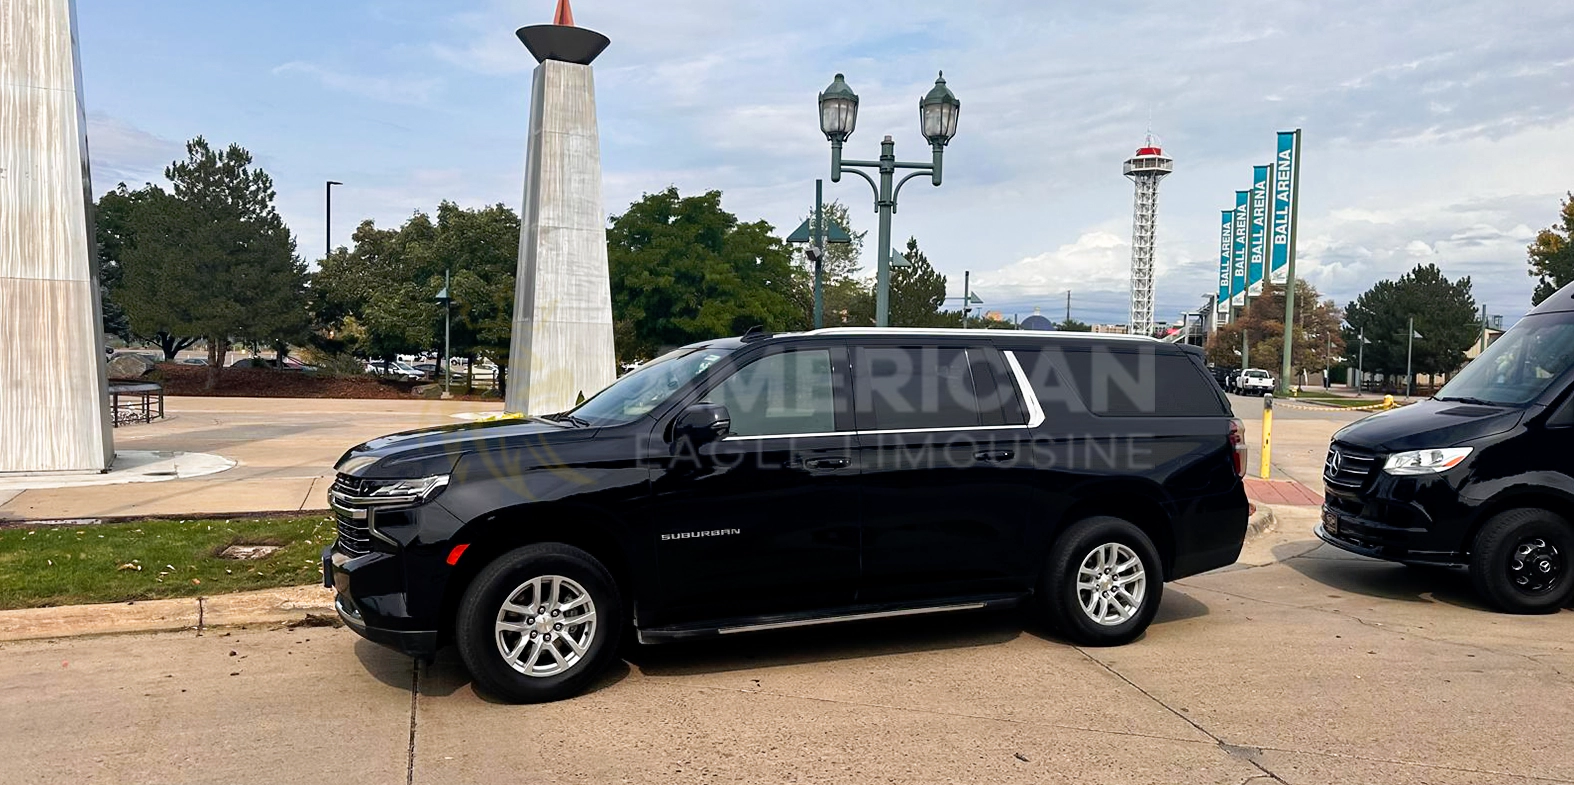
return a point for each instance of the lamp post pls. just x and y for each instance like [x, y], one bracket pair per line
[444, 366]
[1410, 347]
[815, 232]
[327, 220]
[968, 298]
[937, 116]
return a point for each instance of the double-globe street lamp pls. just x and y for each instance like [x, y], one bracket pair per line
[937, 115]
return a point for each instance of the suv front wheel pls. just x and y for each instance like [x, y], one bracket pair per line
[1521, 561]
[1103, 582]
[539, 623]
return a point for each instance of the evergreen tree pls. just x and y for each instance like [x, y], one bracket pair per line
[917, 291]
[1445, 317]
[213, 257]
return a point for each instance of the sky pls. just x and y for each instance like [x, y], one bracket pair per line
[1433, 132]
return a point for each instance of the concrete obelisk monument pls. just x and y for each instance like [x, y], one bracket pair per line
[54, 403]
[562, 338]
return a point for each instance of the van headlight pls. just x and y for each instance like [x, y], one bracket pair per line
[1426, 461]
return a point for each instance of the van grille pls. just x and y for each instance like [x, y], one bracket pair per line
[1348, 469]
[355, 534]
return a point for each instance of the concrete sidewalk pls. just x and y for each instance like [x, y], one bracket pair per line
[284, 449]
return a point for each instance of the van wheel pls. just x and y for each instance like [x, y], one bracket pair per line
[1522, 559]
[1103, 582]
[539, 623]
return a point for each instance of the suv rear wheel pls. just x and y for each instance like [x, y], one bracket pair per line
[1103, 582]
[1522, 560]
[539, 623]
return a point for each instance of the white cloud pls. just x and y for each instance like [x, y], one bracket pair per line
[122, 152]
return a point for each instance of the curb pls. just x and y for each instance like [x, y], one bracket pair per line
[1261, 521]
[294, 606]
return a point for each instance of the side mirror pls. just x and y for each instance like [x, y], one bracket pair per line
[701, 423]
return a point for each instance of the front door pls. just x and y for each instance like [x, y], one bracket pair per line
[765, 519]
[946, 472]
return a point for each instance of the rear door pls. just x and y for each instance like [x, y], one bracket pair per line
[946, 471]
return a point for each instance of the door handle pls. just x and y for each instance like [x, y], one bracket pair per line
[993, 455]
[827, 463]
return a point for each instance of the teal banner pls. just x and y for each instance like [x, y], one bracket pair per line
[1226, 246]
[1257, 244]
[1238, 247]
[1286, 187]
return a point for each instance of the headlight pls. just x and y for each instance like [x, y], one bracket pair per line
[1426, 461]
[379, 492]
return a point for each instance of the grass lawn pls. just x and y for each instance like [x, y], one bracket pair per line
[115, 562]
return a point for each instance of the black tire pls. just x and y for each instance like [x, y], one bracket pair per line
[1061, 600]
[479, 610]
[1544, 582]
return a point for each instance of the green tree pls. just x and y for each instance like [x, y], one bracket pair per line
[917, 291]
[1552, 255]
[1318, 342]
[683, 269]
[1074, 326]
[112, 231]
[213, 257]
[1444, 313]
[379, 298]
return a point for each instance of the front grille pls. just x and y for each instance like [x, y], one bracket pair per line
[1348, 469]
[355, 534]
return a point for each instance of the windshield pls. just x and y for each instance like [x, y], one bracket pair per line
[646, 387]
[1521, 365]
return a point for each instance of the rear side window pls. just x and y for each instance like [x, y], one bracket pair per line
[1129, 383]
[915, 387]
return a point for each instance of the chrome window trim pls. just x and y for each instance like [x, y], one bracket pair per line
[1035, 409]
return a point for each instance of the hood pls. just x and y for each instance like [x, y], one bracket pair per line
[429, 451]
[1428, 423]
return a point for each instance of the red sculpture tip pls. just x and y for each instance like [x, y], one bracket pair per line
[564, 15]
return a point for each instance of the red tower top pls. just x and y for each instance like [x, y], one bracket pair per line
[1140, 150]
[564, 15]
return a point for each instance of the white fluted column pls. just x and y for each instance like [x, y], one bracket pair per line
[54, 411]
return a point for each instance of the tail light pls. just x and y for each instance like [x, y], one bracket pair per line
[1238, 443]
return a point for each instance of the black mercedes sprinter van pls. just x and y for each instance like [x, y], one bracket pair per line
[1480, 475]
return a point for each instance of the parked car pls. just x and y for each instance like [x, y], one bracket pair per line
[193, 361]
[394, 369]
[1255, 381]
[290, 364]
[1232, 380]
[769, 482]
[1478, 476]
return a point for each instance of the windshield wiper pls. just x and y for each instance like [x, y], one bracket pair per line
[1468, 399]
[579, 422]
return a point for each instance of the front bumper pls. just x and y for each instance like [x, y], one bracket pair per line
[370, 599]
[1377, 540]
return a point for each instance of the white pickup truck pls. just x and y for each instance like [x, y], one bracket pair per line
[1255, 381]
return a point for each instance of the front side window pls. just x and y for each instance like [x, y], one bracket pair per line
[1520, 366]
[784, 393]
[646, 387]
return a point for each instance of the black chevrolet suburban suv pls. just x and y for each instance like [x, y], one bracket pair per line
[1479, 476]
[776, 481]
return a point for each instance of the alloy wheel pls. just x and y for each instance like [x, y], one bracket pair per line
[1111, 584]
[545, 626]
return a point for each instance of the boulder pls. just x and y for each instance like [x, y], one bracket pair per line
[129, 366]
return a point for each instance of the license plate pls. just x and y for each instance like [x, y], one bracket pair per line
[1330, 522]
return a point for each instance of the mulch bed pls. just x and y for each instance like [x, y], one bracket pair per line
[179, 379]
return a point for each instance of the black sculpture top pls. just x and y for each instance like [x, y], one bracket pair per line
[562, 42]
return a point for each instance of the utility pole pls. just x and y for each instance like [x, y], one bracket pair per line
[1068, 307]
[1483, 330]
[1360, 364]
[967, 296]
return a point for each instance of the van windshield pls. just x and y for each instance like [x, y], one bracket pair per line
[1520, 366]
[646, 387]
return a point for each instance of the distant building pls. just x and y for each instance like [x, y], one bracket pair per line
[1037, 321]
[1113, 329]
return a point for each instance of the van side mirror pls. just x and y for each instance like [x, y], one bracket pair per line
[701, 423]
